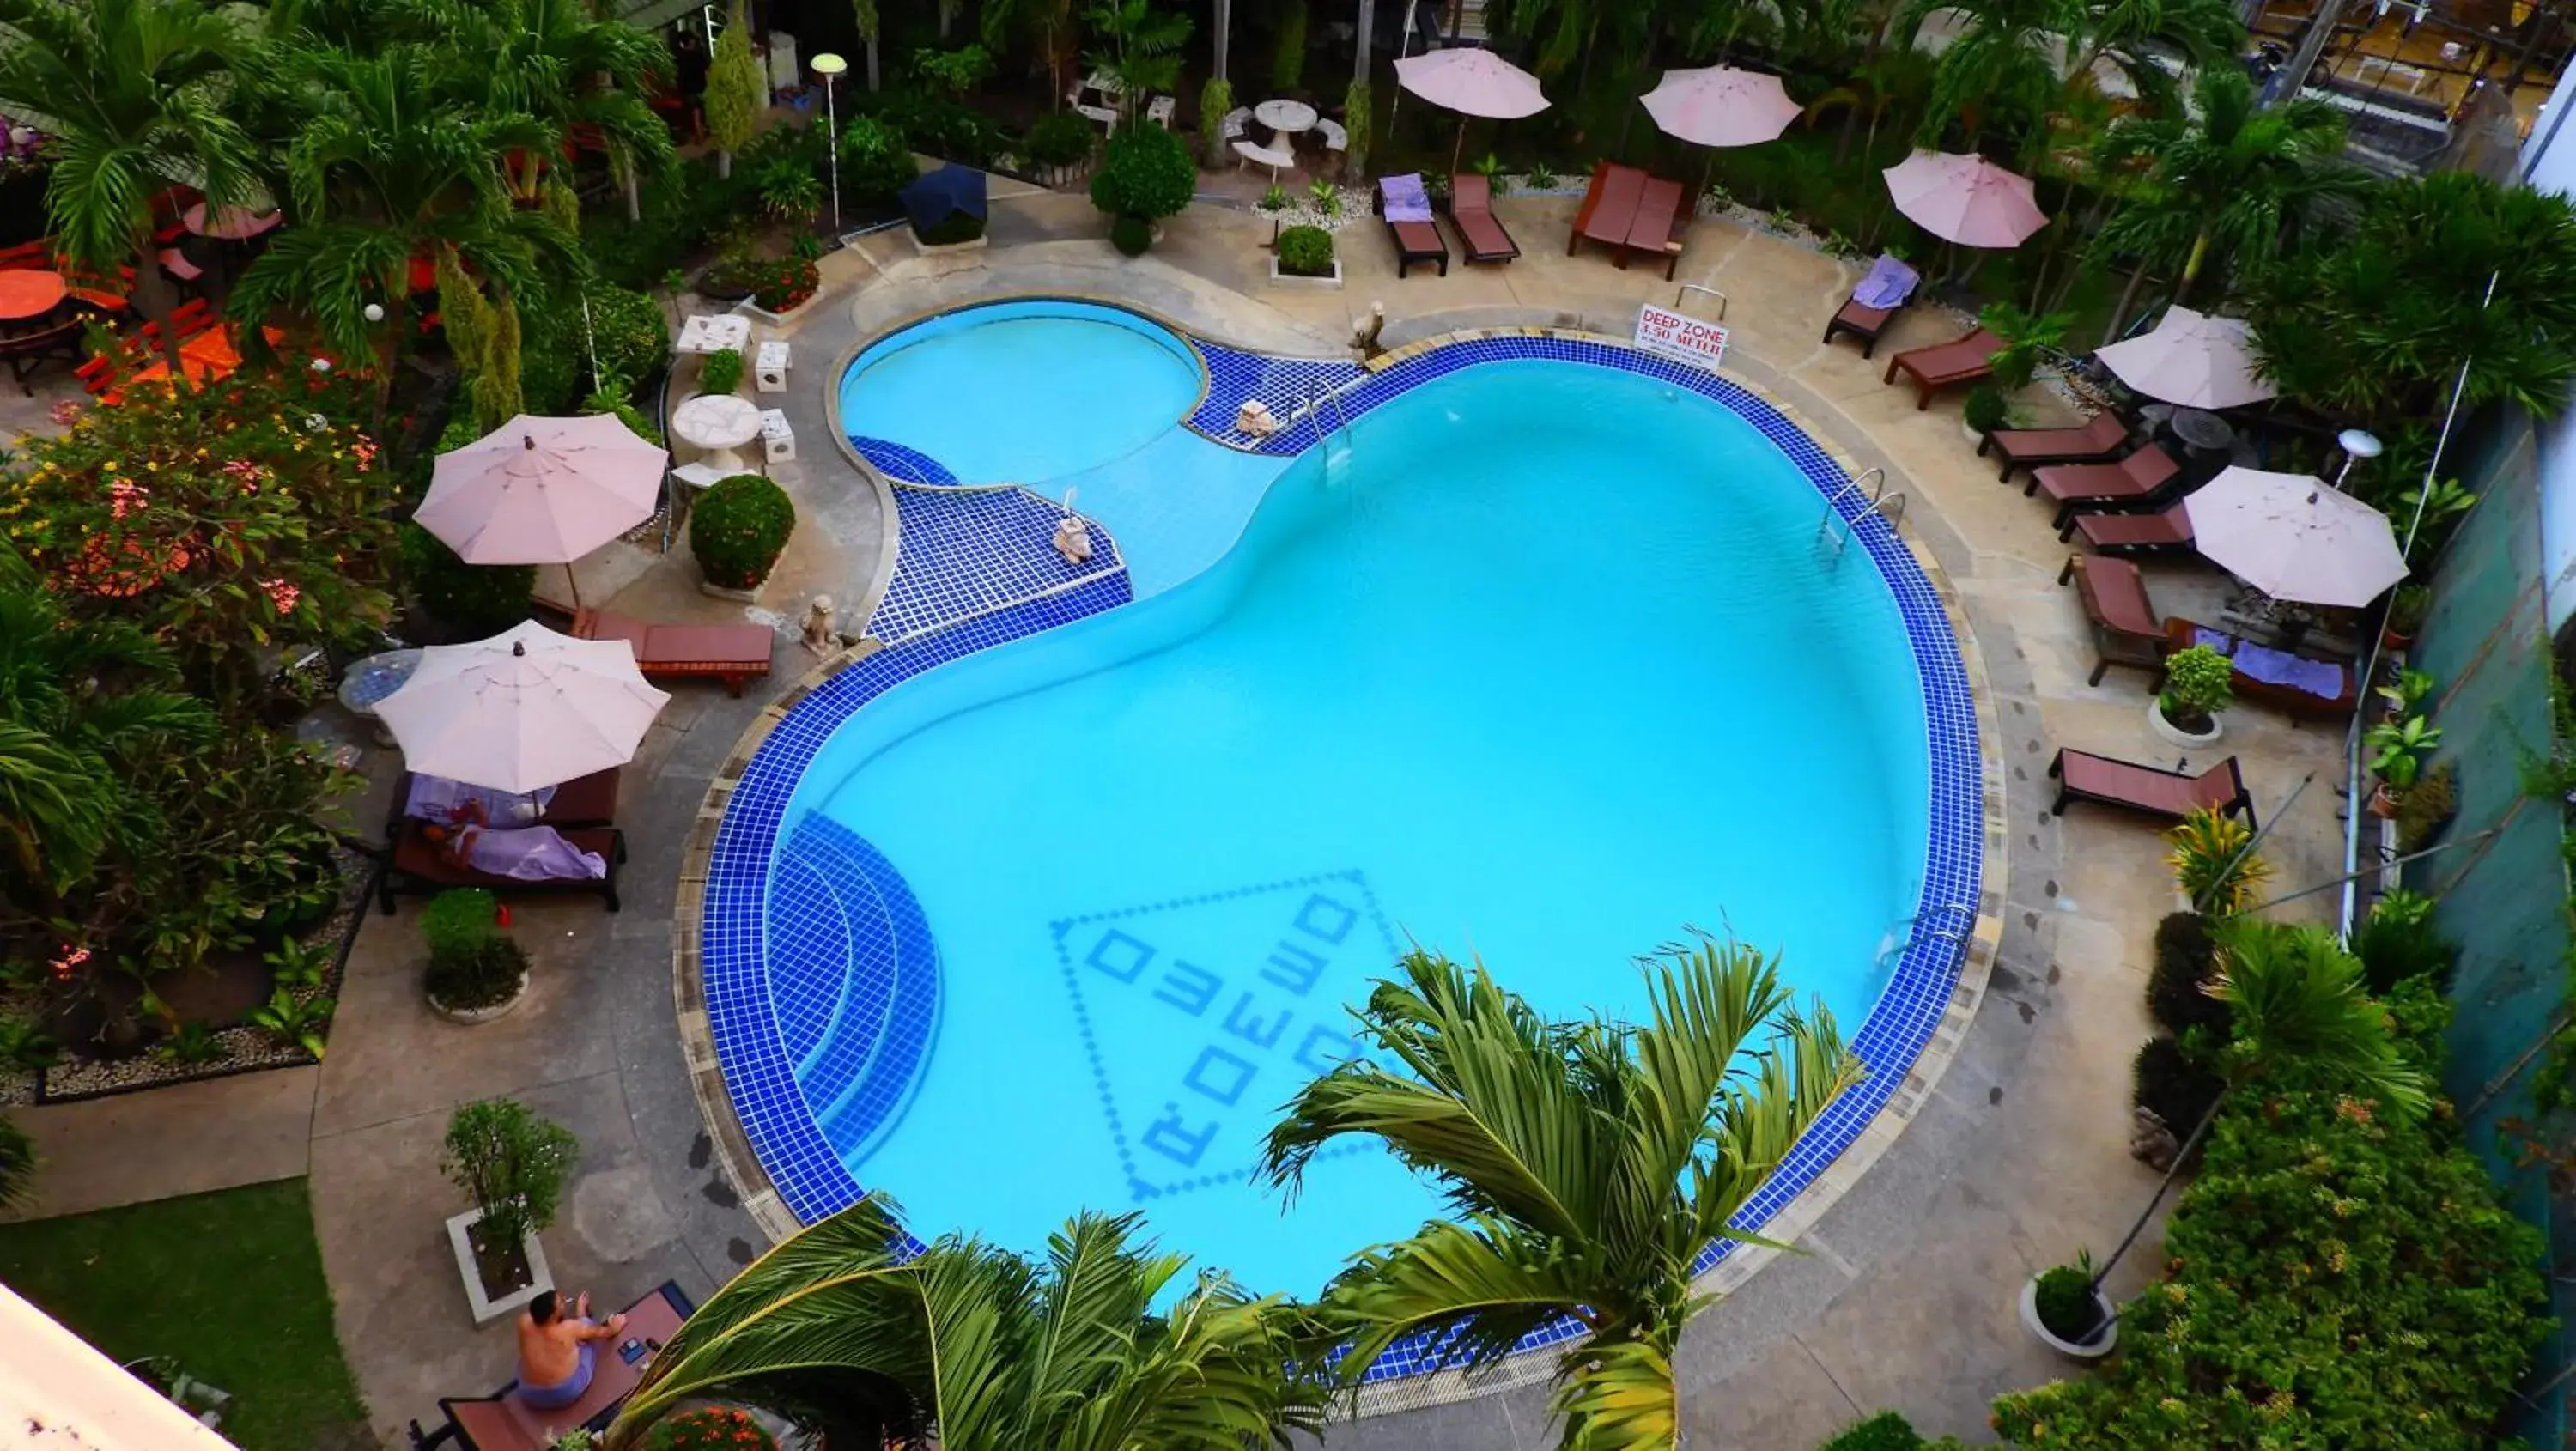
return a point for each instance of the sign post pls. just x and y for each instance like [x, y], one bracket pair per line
[1668, 334]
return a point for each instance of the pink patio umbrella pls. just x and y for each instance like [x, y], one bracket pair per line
[1965, 199]
[1471, 82]
[2191, 359]
[525, 709]
[542, 491]
[2295, 537]
[1721, 106]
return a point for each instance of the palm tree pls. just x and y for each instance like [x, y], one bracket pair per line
[2231, 182]
[1589, 1164]
[132, 94]
[2300, 1006]
[2000, 71]
[2129, 34]
[843, 1334]
[561, 63]
[1141, 48]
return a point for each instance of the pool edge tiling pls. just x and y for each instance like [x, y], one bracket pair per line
[723, 943]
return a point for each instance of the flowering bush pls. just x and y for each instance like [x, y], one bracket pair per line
[739, 529]
[782, 285]
[709, 1428]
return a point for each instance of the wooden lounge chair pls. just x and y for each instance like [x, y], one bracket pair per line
[1414, 241]
[730, 653]
[2294, 684]
[28, 351]
[503, 1422]
[1659, 225]
[2168, 532]
[2101, 437]
[2125, 628]
[583, 801]
[2135, 482]
[1471, 211]
[1960, 360]
[1609, 210]
[414, 863]
[1863, 322]
[2083, 776]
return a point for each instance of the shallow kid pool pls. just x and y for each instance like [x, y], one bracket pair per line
[1542, 662]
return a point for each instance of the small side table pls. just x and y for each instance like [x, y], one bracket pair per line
[707, 333]
[769, 368]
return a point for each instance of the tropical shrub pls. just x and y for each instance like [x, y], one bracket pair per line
[1985, 409]
[876, 161]
[1131, 235]
[25, 1045]
[1216, 98]
[709, 1428]
[17, 1165]
[1357, 109]
[2427, 807]
[2028, 339]
[2199, 683]
[2178, 982]
[779, 285]
[297, 1022]
[1061, 138]
[2213, 863]
[2339, 1276]
[472, 963]
[471, 600]
[738, 530]
[2397, 750]
[1886, 1431]
[627, 327]
[2398, 942]
[1145, 171]
[1306, 252]
[722, 371]
[512, 1163]
[2168, 1080]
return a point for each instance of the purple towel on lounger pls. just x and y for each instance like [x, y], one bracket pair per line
[1888, 284]
[1406, 200]
[531, 854]
[2320, 678]
[436, 798]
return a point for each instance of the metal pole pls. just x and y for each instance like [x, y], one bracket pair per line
[2332, 882]
[2256, 838]
[1403, 49]
[832, 126]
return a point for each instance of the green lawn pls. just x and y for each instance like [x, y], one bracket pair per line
[229, 1285]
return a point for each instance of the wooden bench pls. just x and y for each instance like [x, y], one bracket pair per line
[502, 1422]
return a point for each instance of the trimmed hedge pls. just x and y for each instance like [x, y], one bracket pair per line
[738, 530]
[1306, 252]
[1145, 171]
[2167, 1081]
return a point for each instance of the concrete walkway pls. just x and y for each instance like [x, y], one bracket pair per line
[1904, 1295]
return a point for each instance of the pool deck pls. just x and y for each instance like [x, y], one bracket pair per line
[1903, 1296]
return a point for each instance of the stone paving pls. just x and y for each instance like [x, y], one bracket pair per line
[1903, 1294]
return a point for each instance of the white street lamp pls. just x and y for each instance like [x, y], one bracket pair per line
[2357, 444]
[829, 67]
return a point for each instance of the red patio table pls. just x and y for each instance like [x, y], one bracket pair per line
[26, 292]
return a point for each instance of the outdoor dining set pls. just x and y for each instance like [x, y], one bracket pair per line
[48, 302]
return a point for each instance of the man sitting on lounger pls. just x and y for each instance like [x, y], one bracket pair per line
[558, 1352]
[526, 853]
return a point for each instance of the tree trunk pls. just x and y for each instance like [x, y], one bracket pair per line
[870, 42]
[154, 298]
[2120, 314]
[1223, 38]
[2191, 265]
[1364, 24]
[634, 193]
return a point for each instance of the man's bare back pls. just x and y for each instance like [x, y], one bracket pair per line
[550, 1350]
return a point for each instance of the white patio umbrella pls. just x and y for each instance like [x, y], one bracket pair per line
[2295, 537]
[1471, 82]
[2190, 359]
[1721, 106]
[525, 709]
[1964, 198]
[542, 491]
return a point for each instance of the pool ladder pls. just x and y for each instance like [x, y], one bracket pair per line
[1959, 931]
[1316, 397]
[1881, 502]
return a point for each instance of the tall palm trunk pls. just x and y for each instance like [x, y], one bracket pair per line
[2191, 265]
[154, 297]
[1223, 38]
[2128, 296]
[1364, 24]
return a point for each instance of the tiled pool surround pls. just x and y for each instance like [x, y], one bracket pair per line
[734, 939]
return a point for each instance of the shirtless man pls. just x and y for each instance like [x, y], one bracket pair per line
[558, 1352]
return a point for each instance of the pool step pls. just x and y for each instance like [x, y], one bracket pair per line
[838, 905]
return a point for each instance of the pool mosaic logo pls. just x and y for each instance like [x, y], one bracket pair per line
[1227, 1004]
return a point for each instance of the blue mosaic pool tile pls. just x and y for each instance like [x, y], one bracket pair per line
[748, 1026]
[900, 462]
[965, 552]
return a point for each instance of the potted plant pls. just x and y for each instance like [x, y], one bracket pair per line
[2068, 1313]
[2406, 611]
[2397, 751]
[1304, 258]
[2213, 864]
[2198, 685]
[2428, 806]
[2407, 696]
[476, 971]
[513, 1164]
[737, 531]
[1145, 175]
[721, 373]
[1059, 141]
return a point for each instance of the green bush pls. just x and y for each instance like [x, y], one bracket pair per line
[2185, 959]
[738, 530]
[2065, 1302]
[483, 978]
[1131, 235]
[2338, 1278]
[1886, 1431]
[1216, 99]
[457, 924]
[17, 1165]
[1145, 171]
[722, 372]
[628, 327]
[1058, 138]
[2427, 807]
[512, 1162]
[2166, 1080]
[2199, 683]
[1306, 252]
[2398, 941]
[1985, 410]
[876, 162]
[951, 229]
[470, 600]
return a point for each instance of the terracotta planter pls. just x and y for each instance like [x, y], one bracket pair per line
[2383, 802]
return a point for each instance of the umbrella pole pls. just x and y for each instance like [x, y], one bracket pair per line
[1459, 150]
[574, 581]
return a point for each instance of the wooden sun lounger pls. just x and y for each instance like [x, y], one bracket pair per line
[2102, 436]
[416, 864]
[1414, 241]
[2083, 776]
[1609, 210]
[1471, 211]
[730, 653]
[502, 1422]
[1659, 225]
[1960, 360]
[582, 801]
[2126, 630]
[1863, 322]
[2139, 481]
[2168, 532]
[2289, 699]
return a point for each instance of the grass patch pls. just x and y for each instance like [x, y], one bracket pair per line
[228, 1285]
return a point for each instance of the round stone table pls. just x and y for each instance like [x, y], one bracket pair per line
[721, 424]
[1287, 121]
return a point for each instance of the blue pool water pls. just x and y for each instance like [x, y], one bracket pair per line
[1543, 665]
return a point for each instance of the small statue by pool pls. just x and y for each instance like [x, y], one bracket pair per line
[1072, 540]
[820, 637]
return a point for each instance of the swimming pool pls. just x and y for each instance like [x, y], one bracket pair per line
[1543, 661]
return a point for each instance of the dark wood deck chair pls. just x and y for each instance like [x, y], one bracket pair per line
[1863, 322]
[1471, 211]
[2165, 532]
[2125, 628]
[416, 864]
[2296, 685]
[1414, 241]
[2101, 438]
[1960, 360]
[503, 1422]
[1609, 210]
[1659, 225]
[28, 351]
[2171, 795]
[2139, 481]
[582, 801]
[730, 653]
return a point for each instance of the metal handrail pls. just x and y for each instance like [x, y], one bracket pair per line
[1890, 507]
[1316, 398]
[1688, 288]
[1849, 486]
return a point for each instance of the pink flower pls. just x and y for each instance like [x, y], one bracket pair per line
[72, 957]
[366, 452]
[246, 471]
[66, 412]
[281, 594]
[124, 498]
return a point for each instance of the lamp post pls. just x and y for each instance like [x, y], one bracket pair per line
[2357, 444]
[829, 66]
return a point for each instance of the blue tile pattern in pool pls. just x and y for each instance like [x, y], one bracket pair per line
[960, 553]
[902, 464]
[1282, 384]
[848, 948]
[757, 1025]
